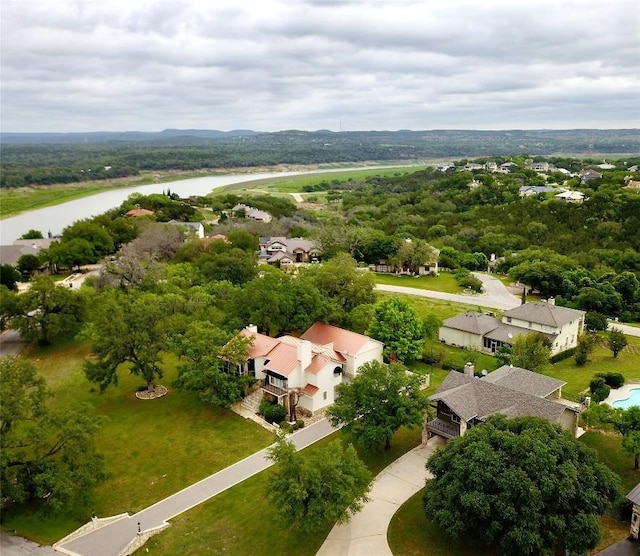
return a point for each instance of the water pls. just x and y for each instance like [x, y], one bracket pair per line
[53, 219]
[633, 399]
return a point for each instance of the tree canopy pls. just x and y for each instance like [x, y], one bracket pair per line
[531, 351]
[377, 402]
[522, 486]
[47, 456]
[398, 326]
[312, 491]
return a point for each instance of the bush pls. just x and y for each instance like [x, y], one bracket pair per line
[286, 427]
[300, 423]
[595, 321]
[581, 358]
[615, 380]
[599, 389]
[563, 355]
[465, 279]
[272, 413]
[451, 366]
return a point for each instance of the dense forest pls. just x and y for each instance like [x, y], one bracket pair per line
[67, 158]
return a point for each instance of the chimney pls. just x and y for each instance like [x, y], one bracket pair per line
[304, 353]
[469, 369]
[252, 328]
[551, 301]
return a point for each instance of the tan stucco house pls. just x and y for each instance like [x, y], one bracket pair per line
[560, 325]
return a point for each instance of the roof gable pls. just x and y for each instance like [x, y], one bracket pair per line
[541, 312]
[474, 322]
[344, 341]
[525, 381]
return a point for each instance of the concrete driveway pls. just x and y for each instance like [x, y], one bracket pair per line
[366, 533]
[11, 343]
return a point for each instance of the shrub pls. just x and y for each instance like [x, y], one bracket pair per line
[451, 366]
[615, 380]
[581, 358]
[465, 279]
[300, 423]
[272, 413]
[286, 427]
[563, 355]
[595, 321]
[599, 389]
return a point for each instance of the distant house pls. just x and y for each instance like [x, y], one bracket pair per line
[589, 175]
[630, 183]
[137, 212]
[193, 228]
[474, 184]
[429, 266]
[507, 167]
[288, 251]
[253, 213]
[541, 167]
[470, 166]
[312, 365]
[634, 498]
[444, 166]
[491, 166]
[10, 254]
[529, 190]
[575, 197]
[560, 325]
[463, 401]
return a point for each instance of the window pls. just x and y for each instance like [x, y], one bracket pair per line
[455, 418]
[509, 320]
[324, 395]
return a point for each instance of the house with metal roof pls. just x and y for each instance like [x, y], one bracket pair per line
[309, 367]
[463, 401]
[560, 325]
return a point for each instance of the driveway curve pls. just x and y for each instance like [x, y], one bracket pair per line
[366, 532]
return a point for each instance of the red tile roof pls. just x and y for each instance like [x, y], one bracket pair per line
[316, 364]
[261, 344]
[309, 390]
[283, 359]
[343, 341]
[140, 212]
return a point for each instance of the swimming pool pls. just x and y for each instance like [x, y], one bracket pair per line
[633, 399]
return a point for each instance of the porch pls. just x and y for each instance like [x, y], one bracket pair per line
[442, 428]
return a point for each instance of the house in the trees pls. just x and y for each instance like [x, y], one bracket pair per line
[463, 401]
[288, 251]
[634, 498]
[138, 212]
[530, 190]
[10, 254]
[192, 228]
[589, 175]
[253, 213]
[575, 197]
[560, 325]
[310, 366]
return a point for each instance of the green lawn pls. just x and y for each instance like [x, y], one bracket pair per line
[600, 361]
[243, 521]
[152, 448]
[442, 309]
[444, 282]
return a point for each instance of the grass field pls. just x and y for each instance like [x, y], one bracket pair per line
[243, 521]
[444, 282]
[424, 305]
[152, 448]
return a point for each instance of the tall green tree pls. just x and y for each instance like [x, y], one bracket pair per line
[377, 402]
[522, 486]
[9, 276]
[616, 341]
[398, 326]
[126, 328]
[47, 456]
[47, 312]
[531, 351]
[313, 491]
[204, 349]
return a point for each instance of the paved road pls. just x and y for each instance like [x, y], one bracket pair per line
[366, 532]
[111, 539]
[11, 545]
[495, 296]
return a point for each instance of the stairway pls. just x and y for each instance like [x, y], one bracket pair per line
[252, 401]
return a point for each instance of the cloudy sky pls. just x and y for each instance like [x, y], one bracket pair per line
[270, 65]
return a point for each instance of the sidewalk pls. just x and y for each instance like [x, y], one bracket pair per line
[366, 533]
[115, 537]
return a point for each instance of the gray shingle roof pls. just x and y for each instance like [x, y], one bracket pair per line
[634, 495]
[472, 397]
[502, 333]
[523, 380]
[474, 322]
[544, 313]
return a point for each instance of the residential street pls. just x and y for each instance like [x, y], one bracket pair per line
[114, 537]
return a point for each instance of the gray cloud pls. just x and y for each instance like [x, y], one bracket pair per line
[270, 65]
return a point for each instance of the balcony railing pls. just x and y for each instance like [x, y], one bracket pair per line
[443, 428]
[275, 390]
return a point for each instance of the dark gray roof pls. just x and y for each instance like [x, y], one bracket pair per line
[474, 322]
[504, 330]
[473, 397]
[541, 312]
[10, 254]
[634, 495]
[523, 380]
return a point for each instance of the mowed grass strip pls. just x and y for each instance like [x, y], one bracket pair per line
[152, 448]
[242, 520]
[444, 282]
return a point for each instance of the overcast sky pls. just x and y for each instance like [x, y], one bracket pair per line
[357, 65]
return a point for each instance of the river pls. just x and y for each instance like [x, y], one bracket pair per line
[55, 218]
